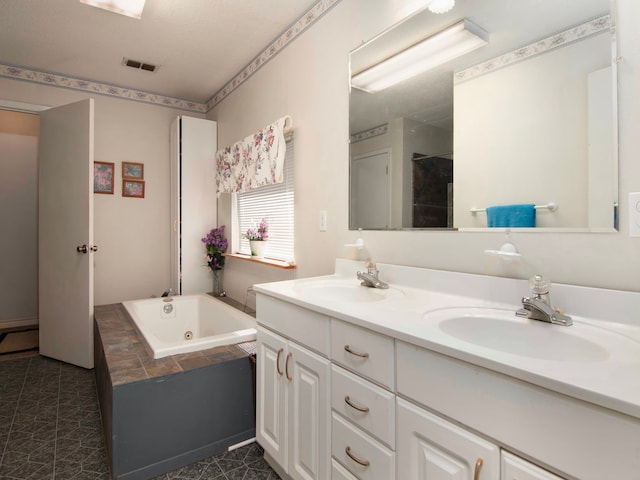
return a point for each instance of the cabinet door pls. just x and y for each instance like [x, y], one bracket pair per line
[309, 410]
[430, 448]
[271, 389]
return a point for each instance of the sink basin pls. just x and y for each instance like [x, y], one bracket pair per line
[503, 331]
[345, 292]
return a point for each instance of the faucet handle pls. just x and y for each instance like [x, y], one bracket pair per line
[371, 266]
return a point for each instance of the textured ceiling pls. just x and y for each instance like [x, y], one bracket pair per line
[199, 45]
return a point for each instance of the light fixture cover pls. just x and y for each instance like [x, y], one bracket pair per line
[441, 6]
[452, 42]
[130, 8]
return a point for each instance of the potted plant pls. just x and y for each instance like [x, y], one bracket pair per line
[216, 245]
[257, 237]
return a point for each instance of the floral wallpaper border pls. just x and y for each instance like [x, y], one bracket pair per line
[64, 81]
[372, 132]
[592, 27]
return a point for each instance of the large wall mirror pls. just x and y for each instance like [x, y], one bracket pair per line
[527, 115]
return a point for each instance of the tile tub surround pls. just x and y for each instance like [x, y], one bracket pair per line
[128, 369]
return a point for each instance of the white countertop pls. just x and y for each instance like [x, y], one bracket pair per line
[610, 379]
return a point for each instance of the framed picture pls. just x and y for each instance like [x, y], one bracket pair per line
[133, 188]
[103, 177]
[134, 171]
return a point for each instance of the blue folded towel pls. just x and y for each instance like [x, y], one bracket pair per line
[519, 215]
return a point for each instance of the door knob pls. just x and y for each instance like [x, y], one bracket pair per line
[86, 249]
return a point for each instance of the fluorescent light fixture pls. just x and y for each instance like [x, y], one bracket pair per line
[453, 42]
[130, 8]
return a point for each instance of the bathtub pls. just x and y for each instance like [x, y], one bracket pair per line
[189, 323]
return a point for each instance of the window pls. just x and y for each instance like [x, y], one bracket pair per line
[275, 204]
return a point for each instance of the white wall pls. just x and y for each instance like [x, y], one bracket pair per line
[18, 218]
[132, 234]
[308, 80]
[522, 122]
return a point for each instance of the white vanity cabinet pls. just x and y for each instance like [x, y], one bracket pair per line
[292, 382]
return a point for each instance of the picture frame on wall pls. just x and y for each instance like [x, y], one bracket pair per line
[133, 170]
[132, 188]
[103, 177]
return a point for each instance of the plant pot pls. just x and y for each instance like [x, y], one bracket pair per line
[257, 248]
[218, 290]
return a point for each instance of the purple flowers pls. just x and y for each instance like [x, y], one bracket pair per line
[216, 245]
[261, 232]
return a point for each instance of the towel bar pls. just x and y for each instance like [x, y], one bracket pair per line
[549, 206]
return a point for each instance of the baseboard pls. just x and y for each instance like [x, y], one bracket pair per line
[184, 459]
[18, 322]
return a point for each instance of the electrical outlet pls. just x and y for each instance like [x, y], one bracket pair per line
[322, 220]
[634, 214]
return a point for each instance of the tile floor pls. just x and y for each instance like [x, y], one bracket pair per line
[50, 429]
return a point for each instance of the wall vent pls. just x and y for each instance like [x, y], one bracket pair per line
[127, 62]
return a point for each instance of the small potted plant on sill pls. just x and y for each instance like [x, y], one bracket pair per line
[257, 237]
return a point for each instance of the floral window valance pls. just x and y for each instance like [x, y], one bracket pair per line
[253, 162]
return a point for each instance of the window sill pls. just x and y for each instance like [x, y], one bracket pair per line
[264, 261]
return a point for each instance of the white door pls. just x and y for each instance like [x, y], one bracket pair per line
[65, 222]
[194, 202]
[370, 190]
[309, 406]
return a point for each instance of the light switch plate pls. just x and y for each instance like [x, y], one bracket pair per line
[634, 214]
[322, 220]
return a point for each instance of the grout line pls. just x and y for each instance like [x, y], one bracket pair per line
[55, 442]
[15, 411]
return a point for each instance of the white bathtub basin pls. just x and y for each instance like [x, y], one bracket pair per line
[189, 323]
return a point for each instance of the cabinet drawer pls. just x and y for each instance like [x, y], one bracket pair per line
[379, 461]
[364, 352]
[308, 328]
[338, 472]
[350, 395]
[516, 468]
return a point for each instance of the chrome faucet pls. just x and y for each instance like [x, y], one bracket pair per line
[538, 306]
[370, 277]
[167, 292]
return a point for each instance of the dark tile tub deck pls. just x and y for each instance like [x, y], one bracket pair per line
[129, 360]
[50, 425]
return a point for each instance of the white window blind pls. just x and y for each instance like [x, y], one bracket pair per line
[275, 204]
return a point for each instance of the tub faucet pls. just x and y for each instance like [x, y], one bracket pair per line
[166, 293]
[538, 306]
[370, 277]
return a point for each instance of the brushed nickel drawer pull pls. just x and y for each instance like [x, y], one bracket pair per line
[348, 401]
[476, 473]
[278, 369]
[357, 354]
[286, 366]
[364, 463]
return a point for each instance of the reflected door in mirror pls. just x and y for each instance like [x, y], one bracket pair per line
[370, 190]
